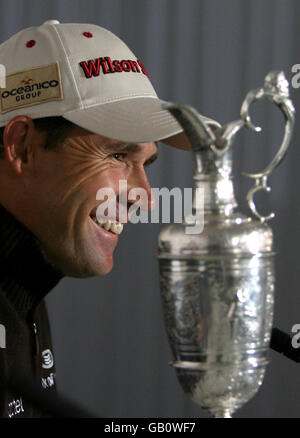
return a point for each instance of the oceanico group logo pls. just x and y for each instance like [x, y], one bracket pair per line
[29, 88]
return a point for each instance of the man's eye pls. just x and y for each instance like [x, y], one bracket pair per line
[118, 155]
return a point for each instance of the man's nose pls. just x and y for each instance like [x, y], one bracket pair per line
[139, 189]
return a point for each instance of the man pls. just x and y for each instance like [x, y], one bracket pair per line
[78, 113]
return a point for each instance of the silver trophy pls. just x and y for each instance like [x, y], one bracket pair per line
[217, 286]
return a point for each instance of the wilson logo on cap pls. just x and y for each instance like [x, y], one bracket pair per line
[42, 85]
[92, 67]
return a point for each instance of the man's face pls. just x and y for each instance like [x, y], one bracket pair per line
[63, 190]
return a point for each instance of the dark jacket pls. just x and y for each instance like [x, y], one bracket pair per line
[26, 353]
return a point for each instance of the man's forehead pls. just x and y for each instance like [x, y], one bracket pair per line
[110, 144]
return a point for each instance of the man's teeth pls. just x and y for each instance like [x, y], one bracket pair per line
[108, 225]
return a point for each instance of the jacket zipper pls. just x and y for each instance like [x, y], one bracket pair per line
[36, 338]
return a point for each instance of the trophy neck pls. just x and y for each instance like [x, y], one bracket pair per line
[214, 176]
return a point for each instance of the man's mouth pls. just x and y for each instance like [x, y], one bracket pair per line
[112, 226]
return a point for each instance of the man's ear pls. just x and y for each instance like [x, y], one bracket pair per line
[18, 141]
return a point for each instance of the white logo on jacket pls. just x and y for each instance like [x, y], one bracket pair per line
[48, 360]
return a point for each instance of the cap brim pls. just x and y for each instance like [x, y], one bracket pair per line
[134, 120]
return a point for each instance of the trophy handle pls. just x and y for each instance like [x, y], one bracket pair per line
[275, 89]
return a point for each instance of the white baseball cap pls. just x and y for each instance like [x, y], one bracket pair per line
[87, 75]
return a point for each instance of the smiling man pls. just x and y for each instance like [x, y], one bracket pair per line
[54, 191]
[78, 113]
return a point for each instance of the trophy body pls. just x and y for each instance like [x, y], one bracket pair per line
[218, 310]
[217, 285]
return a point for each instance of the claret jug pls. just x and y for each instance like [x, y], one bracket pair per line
[217, 266]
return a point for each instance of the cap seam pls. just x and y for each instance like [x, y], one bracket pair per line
[112, 99]
[50, 113]
[68, 62]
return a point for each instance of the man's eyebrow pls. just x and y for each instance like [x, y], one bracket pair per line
[124, 147]
[151, 159]
[132, 147]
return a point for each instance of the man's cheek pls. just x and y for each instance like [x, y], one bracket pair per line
[110, 178]
[86, 178]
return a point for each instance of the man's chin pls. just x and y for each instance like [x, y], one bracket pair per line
[82, 268]
[105, 268]
[94, 269]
